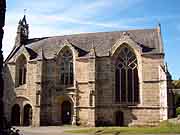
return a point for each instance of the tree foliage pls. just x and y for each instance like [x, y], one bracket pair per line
[177, 111]
[177, 100]
[176, 84]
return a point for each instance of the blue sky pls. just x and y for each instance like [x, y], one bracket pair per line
[59, 17]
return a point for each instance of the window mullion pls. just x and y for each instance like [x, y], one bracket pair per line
[20, 75]
[64, 73]
[120, 85]
[66, 58]
[68, 72]
[127, 76]
[126, 83]
[22, 80]
[133, 85]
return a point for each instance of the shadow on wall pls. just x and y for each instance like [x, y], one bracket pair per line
[9, 96]
[17, 109]
[46, 103]
[117, 117]
[9, 93]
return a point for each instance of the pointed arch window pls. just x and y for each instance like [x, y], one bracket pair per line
[21, 70]
[127, 81]
[66, 70]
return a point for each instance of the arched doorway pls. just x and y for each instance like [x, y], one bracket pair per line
[119, 118]
[15, 115]
[66, 112]
[27, 119]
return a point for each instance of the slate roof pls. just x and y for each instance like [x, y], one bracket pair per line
[148, 39]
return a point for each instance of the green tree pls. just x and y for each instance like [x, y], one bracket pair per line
[176, 84]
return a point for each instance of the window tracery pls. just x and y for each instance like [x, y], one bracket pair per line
[66, 69]
[127, 81]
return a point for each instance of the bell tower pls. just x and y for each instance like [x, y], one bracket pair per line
[22, 32]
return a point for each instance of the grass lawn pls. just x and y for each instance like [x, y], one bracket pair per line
[164, 128]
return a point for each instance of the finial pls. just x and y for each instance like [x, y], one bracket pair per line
[66, 42]
[20, 21]
[43, 56]
[24, 18]
[25, 11]
[92, 50]
[166, 67]
[92, 44]
[159, 26]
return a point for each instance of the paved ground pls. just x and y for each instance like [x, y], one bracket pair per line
[52, 130]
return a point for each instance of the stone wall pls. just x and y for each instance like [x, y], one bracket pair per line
[24, 93]
[147, 112]
[104, 81]
[133, 116]
[9, 84]
[92, 95]
[83, 90]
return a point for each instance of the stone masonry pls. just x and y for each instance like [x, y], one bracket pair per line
[90, 97]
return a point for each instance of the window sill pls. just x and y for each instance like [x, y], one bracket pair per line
[66, 87]
[128, 104]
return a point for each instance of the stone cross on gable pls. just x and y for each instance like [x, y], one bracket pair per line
[125, 33]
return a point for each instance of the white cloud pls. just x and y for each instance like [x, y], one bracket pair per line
[44, 16]
[8, 40]
[62, 19]
[50, 31]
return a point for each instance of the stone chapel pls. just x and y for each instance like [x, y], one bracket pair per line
[106, 78]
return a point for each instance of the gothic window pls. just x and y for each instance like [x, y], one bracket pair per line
[66, 70]
[127, 81]
[21, 70]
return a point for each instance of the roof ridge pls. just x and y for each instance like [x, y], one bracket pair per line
[98, 32]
